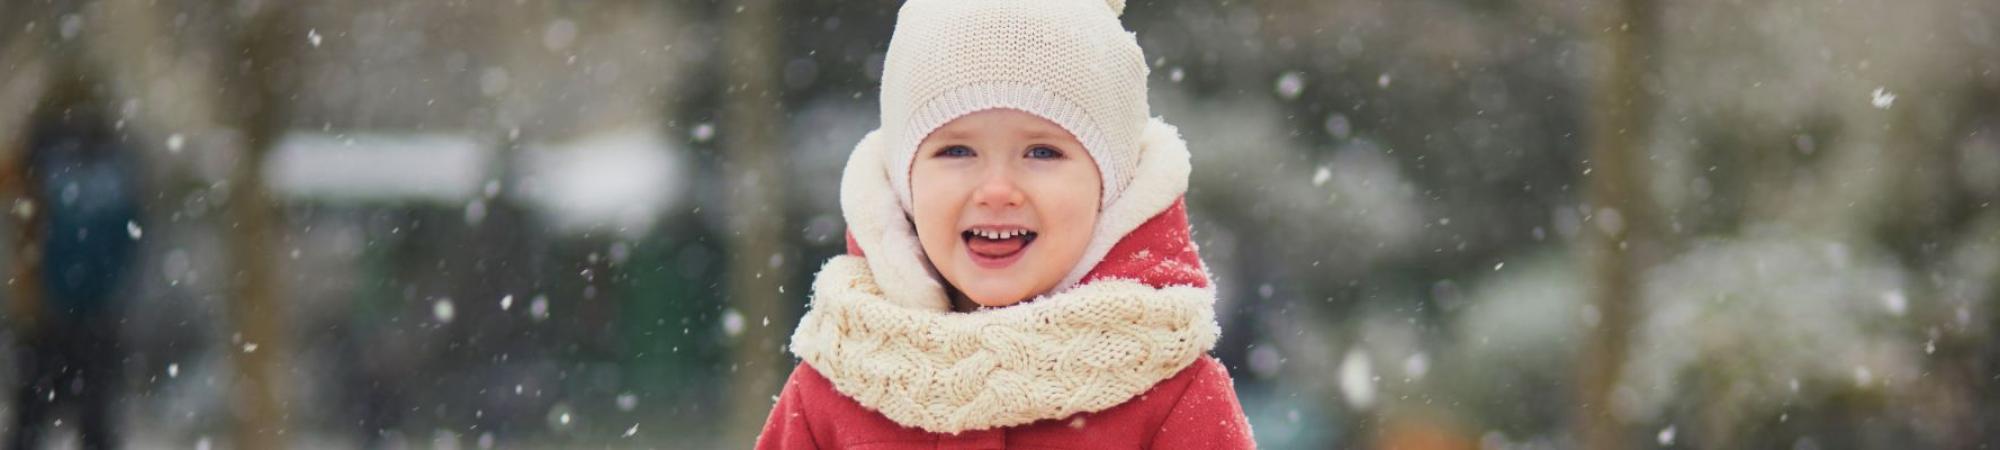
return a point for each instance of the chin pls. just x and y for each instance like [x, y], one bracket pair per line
[999, 301]
[996, 296]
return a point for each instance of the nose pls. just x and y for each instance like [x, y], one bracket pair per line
[998, 191]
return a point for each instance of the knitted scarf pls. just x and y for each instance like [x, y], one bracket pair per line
[1137, 310]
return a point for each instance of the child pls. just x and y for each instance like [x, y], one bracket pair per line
[1019, 269]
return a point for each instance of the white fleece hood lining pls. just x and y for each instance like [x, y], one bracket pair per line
[880, 327]
[882, 228]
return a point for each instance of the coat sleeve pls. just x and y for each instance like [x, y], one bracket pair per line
[1207, 415]
[787, 428]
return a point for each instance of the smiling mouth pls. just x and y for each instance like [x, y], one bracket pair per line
[997, 248]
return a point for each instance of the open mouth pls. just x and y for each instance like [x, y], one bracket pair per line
[995, 248]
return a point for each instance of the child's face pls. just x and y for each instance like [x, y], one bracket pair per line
[1008, 172]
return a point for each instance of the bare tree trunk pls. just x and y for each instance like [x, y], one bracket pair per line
[256, 312]
[757, 216]
[1625, 237]
[20, 95]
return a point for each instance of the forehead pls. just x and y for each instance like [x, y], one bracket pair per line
[1001, 122]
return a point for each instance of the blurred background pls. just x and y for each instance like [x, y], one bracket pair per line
[1435, 224]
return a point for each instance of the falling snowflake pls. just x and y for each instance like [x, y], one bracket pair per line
[1357, 379]
[475, 212]
[312, 35]
[1416, 365]
[732, 323]
[1338, 126]
[1882, 98]
[1895, 302]
[1265, 361]
[703, 132]
[443, 310]
[1290, 85]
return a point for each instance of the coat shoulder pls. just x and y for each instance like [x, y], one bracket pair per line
[832, 420]
[817, 393]
[806, 378]
[1206, 414]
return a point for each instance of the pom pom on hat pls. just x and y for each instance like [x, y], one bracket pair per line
[1068, 61]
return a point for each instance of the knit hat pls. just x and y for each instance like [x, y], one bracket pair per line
[1068, 61]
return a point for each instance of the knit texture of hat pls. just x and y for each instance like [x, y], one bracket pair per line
[1068, 61]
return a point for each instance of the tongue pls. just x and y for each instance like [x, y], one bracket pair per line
[998, 248]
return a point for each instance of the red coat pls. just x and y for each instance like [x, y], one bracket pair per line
[1194, 409]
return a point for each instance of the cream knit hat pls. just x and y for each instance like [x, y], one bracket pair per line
[1068, 61]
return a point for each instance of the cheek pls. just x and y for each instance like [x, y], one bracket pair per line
[1071, 194]
[1071, 230]
[1068, 209]
[934, 209]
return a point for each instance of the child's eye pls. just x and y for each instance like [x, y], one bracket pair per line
[1044, 152]
[955, 151]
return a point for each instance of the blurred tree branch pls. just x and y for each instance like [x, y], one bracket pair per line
[1625, 237]
[757, 222]
[265, 42]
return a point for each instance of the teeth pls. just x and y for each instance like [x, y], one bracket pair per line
[998, 234]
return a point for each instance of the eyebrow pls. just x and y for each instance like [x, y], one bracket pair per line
[1036, 134]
